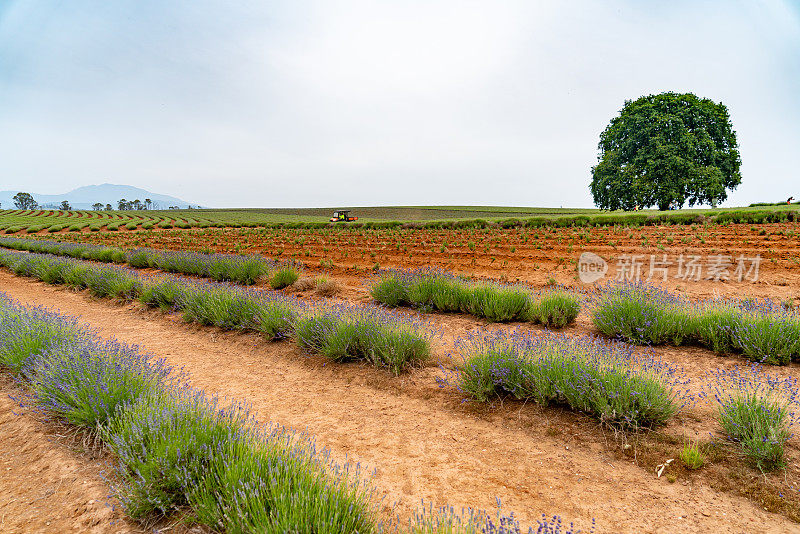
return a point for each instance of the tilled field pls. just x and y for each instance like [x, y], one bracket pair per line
[423, 442]
[533, 256]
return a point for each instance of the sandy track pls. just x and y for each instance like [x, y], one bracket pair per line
[419, 443]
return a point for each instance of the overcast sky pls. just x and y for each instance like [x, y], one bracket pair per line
[304, 103]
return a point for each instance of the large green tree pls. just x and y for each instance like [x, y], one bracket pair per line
[25, 201]
[666, 150]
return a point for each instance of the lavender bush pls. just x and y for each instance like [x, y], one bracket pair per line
[605, 379]
[756, 411]
[762, 331]
[182, 449]
[87, 381]
[353, 332]
[431, 289]
[25, 333]
[446, 520]
[641, 314]
[230, 307]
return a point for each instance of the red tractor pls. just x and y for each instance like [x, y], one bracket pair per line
[342, 216]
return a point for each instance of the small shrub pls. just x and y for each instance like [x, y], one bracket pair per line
[496, 303]
[692, 456]
[756, 411]
[284, 277]
[327, 287]
[438, 292]
[555, 309]
[304, 284]
[390, 291]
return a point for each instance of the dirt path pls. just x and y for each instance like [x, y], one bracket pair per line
[45, 485]
[419, 445]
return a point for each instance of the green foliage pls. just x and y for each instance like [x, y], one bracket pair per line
[344, 334]
[390, 291]
[664, 150]
[25, 201]
[433, 290]
[284, 277]
[692, 456]
[585, 374]
[555, 309]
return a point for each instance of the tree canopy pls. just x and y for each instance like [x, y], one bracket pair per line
[25, 201]
[666, 150]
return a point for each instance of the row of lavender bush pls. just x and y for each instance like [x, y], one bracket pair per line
[612, 382]
[438, 290]
[177, 449]
[763, 331]
[245, 270]
[606, 379]
[338, 331]
[174, 447]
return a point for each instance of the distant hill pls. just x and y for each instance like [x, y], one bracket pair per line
[84, 197]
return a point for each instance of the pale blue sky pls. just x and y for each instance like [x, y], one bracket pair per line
[304, 103]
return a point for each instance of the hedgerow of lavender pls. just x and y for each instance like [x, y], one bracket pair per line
[87, 381]
[344, 332]
[231, 307]
[25, 333]
[641, 314]
[74, 250]
[434, 289]
[768, 338]
[220, 267]
[183, 449]
[604, 378]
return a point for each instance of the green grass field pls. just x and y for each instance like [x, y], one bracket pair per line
[53, 221]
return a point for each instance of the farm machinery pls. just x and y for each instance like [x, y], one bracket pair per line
[342, 216]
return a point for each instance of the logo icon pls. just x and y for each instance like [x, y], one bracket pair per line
[591, 267]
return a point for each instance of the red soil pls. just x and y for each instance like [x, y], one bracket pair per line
[528, 255]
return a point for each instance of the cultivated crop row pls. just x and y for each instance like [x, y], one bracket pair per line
[606, 379]
[178, 450]
[338, 331]
[437, 290]
[762, 331]
[220, 267]
[33, 221]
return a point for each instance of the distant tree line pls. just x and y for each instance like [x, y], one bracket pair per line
[126, 205]
[25, 201]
